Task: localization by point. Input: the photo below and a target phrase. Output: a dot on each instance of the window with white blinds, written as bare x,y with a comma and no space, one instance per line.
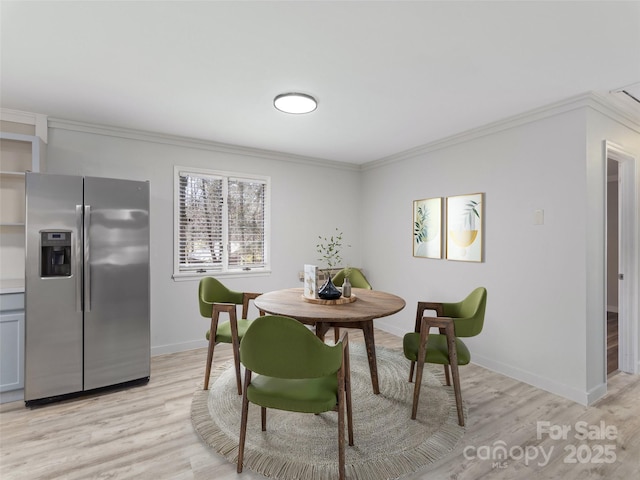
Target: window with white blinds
221,222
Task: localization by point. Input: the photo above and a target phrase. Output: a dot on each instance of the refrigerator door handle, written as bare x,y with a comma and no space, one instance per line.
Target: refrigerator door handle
87,259
78,257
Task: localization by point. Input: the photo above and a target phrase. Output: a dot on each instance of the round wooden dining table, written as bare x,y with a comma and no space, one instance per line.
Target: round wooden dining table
359,313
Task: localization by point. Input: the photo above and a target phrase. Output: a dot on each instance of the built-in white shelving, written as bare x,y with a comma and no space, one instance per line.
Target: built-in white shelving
19,153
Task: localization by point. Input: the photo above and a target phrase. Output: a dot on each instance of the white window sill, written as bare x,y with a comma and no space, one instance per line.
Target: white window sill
191,276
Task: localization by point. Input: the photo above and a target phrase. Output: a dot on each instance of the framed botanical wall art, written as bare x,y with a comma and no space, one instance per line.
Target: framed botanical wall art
465,217
427,228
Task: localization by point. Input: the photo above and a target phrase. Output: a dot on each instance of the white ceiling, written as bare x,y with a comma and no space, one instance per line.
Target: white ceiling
389,76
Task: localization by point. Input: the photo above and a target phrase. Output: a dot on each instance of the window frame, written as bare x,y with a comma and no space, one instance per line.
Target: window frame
226,271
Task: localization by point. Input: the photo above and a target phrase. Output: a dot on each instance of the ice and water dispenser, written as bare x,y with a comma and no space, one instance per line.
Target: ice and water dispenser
56,254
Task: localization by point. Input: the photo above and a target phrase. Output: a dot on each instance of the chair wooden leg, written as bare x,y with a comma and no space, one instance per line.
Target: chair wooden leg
212,344
230,309
263,418
416,390
341,396
411,370
347,389
336,334
243,420
235,342
447,377
453,361
422,352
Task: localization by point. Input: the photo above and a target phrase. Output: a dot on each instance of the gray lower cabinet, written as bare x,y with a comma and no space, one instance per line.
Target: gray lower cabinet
11,346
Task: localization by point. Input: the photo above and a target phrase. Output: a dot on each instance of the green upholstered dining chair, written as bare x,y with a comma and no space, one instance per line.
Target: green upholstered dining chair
214,298
454,320
356,277
297,372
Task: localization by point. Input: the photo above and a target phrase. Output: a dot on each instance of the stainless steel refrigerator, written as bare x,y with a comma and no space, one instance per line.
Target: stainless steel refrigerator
86,284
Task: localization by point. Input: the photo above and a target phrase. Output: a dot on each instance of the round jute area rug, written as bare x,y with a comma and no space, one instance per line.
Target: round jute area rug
387,443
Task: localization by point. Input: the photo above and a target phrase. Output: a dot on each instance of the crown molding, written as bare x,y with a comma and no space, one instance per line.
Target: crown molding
593,100
611,106
604,104
187,142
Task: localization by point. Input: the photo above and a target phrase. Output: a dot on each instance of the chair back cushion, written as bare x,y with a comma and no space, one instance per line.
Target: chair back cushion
356,277
211,291
282,347
469,313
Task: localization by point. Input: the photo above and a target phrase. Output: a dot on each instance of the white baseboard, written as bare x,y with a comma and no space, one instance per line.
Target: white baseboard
551,386
578,396
178,347
596,393
390,328
18,395
12,396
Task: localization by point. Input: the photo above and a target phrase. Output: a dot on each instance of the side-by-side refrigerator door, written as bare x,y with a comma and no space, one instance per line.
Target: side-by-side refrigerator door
53,281
116,282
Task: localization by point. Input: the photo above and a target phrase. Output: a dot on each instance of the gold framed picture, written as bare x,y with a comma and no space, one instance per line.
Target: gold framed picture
465,218
427,228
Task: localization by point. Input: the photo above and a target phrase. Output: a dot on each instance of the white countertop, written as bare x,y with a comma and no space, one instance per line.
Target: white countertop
11,285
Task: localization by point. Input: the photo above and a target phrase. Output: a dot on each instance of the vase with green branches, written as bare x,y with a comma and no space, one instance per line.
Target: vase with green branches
329,249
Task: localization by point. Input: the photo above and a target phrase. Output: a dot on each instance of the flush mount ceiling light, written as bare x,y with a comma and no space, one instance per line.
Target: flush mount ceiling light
295,103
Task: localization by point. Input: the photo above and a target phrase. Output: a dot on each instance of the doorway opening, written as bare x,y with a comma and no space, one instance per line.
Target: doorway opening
621,282
612,267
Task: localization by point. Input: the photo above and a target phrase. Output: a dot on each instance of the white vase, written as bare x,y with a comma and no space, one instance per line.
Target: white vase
346,288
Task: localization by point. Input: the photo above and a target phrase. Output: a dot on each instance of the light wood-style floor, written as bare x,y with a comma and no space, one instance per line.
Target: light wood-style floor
146,432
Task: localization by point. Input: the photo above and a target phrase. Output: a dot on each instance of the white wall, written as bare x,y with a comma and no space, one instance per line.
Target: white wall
544,322
299,191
